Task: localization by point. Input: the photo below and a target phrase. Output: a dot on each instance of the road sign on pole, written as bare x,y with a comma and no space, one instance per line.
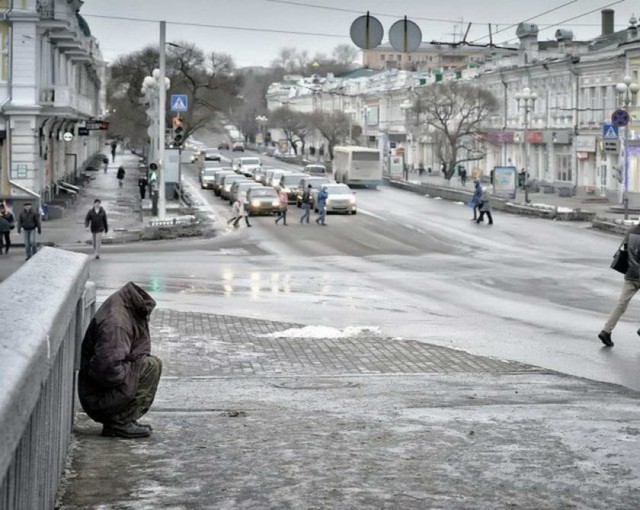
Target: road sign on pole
179,103
609,131
620,118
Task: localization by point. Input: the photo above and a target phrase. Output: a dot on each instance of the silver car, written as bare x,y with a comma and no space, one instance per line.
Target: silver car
239,187
341,199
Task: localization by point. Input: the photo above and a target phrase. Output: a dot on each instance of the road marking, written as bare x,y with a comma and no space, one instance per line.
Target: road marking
372,214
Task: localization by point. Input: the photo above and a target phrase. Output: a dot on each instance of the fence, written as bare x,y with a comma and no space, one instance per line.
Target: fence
47,306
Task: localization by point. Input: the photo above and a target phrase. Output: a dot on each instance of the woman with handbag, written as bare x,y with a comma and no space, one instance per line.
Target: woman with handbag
631,247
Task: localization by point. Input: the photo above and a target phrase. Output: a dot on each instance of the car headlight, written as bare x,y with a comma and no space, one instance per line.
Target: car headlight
352,200
255,203
275,203
227,188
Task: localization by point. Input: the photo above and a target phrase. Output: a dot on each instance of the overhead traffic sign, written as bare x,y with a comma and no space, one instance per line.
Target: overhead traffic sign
609,131
366,32
620,118
179,103
405,36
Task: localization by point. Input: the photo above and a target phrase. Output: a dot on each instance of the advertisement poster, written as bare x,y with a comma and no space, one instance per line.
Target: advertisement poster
396,165
505,179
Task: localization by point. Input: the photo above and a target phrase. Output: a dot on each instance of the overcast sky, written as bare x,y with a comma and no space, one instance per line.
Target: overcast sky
258,48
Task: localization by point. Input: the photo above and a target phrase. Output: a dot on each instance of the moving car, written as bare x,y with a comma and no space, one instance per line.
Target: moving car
316,169
341,199
219,177
211,154
207,178
227,182
224,146
262,200
239,187
238,147
246,166
289,184
315,183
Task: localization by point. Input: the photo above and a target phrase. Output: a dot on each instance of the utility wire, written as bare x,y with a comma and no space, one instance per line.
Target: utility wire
223,27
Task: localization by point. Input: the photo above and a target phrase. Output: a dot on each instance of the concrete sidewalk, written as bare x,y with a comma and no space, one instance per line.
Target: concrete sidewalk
249,418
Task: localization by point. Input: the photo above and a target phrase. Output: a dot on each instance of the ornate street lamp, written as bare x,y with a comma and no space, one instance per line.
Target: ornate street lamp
526,100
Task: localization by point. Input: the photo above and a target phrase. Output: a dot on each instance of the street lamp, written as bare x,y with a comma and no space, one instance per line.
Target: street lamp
406,107
526,101
262,122
627,91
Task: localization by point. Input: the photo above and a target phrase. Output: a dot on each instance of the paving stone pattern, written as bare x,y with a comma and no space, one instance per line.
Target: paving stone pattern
205,345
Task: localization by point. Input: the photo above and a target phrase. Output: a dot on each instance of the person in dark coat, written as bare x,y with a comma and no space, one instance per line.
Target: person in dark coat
29,221
118,375
120,175
485,208
6,226
631,245
96,220
142,185
476,199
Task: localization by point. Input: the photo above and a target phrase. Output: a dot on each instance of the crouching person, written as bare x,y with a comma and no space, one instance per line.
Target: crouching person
118,375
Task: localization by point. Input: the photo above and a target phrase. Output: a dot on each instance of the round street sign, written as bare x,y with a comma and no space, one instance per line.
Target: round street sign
620,118
367,32
405,36
67,137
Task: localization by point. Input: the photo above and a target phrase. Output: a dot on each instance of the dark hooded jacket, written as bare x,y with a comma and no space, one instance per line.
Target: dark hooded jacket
632,245
114,346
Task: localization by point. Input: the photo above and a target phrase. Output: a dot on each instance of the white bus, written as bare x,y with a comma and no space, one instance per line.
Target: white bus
357,165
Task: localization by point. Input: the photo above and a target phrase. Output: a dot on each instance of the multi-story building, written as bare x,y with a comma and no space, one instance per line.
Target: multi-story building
575,84
51,83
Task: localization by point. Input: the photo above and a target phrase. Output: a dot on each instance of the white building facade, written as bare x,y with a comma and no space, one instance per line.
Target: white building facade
51,82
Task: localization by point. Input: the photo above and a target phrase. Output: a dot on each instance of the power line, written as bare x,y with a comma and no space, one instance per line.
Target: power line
223,27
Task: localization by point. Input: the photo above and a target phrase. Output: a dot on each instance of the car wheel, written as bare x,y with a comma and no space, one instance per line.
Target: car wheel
354,212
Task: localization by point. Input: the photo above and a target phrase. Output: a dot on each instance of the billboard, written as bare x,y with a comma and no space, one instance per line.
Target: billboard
505,180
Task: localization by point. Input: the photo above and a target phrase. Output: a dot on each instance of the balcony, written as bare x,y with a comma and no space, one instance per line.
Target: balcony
62,97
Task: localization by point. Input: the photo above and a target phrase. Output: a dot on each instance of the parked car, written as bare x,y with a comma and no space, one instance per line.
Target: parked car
316,170
238,147
224,146
341,199
262,200
247,165
289,184
211,154
207,178
315,183
219,177
227,182
239,187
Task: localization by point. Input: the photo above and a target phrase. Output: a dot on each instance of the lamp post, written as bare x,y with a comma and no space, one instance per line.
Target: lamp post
526,101
627,91
406,107
262,122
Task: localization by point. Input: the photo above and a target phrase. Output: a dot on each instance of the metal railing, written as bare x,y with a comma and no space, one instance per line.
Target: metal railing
49,308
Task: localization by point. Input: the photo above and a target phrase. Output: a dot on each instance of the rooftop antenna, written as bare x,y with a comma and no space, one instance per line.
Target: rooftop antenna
464,39
490,36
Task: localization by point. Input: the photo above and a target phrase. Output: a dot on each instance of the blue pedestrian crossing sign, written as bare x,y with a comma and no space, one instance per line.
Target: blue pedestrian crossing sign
179,103
609,132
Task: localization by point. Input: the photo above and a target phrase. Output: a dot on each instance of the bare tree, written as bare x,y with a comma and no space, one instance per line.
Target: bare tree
345,54
455,113
295,125
286,59
334,127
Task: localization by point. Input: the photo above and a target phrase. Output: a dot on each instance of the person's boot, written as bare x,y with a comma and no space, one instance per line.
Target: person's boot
605,337
129,430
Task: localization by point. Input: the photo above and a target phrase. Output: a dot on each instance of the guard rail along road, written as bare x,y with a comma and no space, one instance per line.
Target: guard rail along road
47,305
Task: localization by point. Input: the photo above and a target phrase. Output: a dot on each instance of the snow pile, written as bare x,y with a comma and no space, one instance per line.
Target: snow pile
324,332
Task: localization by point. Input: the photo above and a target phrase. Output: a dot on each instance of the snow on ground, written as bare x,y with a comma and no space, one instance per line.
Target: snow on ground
324,332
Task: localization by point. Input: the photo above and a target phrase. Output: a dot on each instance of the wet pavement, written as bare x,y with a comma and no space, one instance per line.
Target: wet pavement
247,419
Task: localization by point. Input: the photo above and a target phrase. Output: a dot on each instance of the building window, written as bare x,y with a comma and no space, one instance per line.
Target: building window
409,58
563,167
382,57
399,58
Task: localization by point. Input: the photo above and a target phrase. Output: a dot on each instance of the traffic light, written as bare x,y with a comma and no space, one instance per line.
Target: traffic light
178,132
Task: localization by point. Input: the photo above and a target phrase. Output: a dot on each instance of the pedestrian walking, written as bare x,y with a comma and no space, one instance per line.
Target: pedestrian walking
242,211
118,376
284,204
476,199
323,195
462,172
120,175
485,208
96,221
105,164
306,205
631,246
142,185
29,221
6,226
114,148
421,169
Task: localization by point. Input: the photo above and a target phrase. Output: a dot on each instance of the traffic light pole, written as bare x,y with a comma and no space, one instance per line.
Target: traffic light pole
162,124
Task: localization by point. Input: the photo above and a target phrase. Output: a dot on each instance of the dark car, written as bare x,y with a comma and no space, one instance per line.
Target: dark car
314,182
224,146
207,177
289,184
262,200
